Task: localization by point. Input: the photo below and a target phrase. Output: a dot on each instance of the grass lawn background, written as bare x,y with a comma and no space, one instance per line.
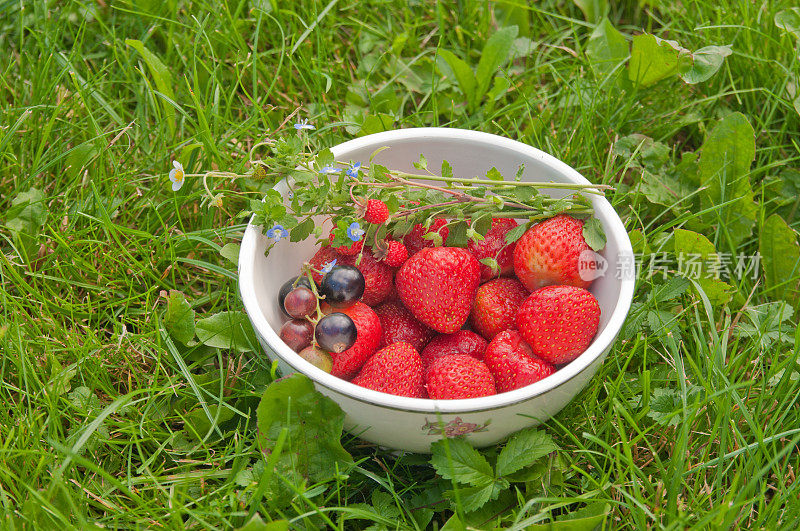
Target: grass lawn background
693,420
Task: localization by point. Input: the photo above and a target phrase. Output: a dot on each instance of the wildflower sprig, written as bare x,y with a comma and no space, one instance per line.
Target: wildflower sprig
318,187
325,188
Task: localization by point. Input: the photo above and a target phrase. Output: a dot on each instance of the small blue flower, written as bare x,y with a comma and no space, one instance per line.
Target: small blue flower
327,266
290,194
277,232
355,232
303,124
326,170
176,175
354,169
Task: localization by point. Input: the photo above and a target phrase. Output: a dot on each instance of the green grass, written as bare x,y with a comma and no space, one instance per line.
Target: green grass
692,423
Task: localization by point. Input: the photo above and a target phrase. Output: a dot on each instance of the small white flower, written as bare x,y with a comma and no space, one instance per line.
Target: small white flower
176,175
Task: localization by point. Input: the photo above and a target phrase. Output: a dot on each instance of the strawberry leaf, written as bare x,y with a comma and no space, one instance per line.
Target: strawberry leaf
447,170
464,464
494,174
482,224
523,449
458,235
516,233
594,235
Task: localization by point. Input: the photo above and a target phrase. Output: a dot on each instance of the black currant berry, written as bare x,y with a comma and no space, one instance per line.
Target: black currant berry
289,286
300,302
342,286
335,332
297,334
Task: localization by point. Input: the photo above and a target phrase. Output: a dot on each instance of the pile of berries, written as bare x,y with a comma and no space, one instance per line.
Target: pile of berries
408,318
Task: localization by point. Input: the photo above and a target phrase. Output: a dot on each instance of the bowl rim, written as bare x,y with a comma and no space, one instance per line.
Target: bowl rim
601,343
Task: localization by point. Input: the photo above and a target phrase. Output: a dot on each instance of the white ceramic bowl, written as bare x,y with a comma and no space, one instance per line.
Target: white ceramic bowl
413,423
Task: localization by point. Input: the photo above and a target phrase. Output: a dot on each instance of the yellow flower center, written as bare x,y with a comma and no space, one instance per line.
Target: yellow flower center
179,175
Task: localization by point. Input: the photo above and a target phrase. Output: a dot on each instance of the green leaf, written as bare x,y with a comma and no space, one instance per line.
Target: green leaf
422,164
447,170
509,13
314,423
228,330
494,55
462,72
703,63
256,523
467,465
664,190
724,170
392,203
231,252
494,174
161,75
780,254
523,449
586,518
673,288
594,235
324,158
483,224
79,158
179,317
789,20
492,264
691,245
653,59
376,123
644,150
198,424
477,497
454,524
500,86
302,230
607,48
516,233
593,10
27,214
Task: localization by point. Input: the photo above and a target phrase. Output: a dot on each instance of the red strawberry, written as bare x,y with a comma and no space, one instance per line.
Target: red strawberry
459,376
494,246
460,342
376,212
415,240
396,369
348,250
559,322
396,255
398,324
368,329
377,277
548,253
438,284
512,363
321,257
495,306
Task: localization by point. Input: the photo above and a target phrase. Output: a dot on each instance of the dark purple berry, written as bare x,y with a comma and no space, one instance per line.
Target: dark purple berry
342,286
289,286
335,332
297,334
